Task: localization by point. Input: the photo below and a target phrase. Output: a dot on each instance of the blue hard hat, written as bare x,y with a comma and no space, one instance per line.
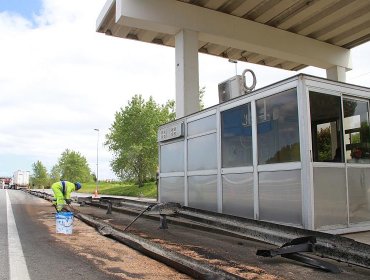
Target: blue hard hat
78,186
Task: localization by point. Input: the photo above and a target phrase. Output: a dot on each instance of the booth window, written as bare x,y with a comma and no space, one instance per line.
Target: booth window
326,127
278,128
236,133
356,130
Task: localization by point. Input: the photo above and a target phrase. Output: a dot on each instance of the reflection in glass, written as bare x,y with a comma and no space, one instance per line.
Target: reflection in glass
202,152
236,133
356,131
326,127
202,125
172,157
277,128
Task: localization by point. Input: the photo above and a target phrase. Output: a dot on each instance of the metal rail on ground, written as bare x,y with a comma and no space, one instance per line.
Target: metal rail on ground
328,245
180,262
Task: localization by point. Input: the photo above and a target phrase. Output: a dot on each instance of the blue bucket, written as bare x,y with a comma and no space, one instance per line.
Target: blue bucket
64,222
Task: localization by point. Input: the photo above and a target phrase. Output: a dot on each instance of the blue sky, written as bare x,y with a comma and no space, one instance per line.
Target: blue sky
25,8
60,79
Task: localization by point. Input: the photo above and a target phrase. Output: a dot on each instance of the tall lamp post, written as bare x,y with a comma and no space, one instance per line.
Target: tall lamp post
97,163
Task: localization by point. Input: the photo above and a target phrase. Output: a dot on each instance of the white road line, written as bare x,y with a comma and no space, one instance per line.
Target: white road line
17,262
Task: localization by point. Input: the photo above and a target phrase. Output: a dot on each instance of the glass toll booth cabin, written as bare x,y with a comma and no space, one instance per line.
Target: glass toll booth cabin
296,152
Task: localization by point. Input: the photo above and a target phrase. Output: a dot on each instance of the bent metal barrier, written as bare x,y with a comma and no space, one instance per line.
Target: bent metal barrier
327,245
178,261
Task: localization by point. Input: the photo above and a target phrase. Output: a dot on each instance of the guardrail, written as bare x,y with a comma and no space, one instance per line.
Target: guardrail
328,245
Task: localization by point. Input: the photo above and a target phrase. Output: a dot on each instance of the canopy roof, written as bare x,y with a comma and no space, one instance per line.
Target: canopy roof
287,34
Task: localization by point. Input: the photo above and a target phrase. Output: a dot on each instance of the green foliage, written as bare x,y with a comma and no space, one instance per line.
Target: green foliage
365,133
73,167
133,138
55,173
355,138
324,144
286,154
349,108
122,188
39,175
94,178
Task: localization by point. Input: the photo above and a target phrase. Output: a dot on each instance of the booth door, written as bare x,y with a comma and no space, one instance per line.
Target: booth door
357,154
329,173
341,160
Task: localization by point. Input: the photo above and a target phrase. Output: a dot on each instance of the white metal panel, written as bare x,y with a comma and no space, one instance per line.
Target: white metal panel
279,166
280,198
201,115
332,87
305,152
244,169
359,194
172,157
186,189
202,134
255,161
172,174
219,178
202,172
172,189
237,102
238,195
202,125
203,192
330,197
260,93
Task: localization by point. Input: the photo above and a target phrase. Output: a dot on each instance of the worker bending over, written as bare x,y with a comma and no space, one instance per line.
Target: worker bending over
62,193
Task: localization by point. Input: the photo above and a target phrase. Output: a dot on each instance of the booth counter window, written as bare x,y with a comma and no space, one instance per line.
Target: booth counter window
329,132
326,127
278,128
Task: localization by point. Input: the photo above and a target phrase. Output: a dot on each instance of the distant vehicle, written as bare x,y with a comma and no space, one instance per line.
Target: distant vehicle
21,179
5,182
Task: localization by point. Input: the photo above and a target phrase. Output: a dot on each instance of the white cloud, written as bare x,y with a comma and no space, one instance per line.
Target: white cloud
59,79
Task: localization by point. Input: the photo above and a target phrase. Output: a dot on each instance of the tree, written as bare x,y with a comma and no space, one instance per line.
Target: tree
40,174
324,144
94,178
133,138
55,173
73,167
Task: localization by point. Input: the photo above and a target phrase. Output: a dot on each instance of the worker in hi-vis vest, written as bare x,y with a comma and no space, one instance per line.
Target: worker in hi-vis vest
62,193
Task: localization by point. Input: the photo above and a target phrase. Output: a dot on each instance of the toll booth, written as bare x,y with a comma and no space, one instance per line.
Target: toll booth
296,152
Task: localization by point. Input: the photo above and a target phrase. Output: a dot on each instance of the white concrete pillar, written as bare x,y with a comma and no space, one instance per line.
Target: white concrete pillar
187,73
336,73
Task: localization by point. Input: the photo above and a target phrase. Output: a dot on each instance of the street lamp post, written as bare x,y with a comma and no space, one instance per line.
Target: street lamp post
97,163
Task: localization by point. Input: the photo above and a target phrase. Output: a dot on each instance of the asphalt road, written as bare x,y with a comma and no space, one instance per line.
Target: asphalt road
28,251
